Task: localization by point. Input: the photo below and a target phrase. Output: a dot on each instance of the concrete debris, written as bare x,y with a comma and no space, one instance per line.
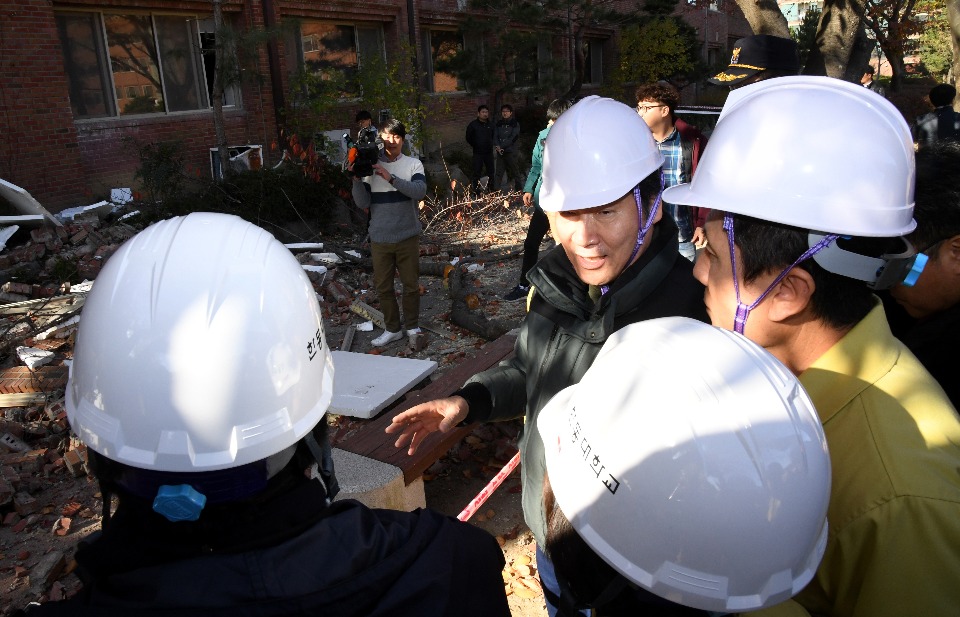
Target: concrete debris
33,358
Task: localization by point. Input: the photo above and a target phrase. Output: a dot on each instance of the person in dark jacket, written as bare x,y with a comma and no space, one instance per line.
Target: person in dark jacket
480,136
507,133
616,263
941,124
531,199
200,384
932,330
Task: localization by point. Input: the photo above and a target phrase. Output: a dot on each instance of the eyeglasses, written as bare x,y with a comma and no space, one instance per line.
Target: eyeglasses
642,109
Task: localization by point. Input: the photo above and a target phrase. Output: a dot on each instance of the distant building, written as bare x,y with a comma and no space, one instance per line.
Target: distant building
794,10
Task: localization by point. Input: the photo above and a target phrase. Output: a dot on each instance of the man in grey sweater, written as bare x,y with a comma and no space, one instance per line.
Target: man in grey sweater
392,195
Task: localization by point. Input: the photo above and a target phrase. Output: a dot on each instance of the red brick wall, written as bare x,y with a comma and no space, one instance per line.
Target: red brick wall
38,141
65,162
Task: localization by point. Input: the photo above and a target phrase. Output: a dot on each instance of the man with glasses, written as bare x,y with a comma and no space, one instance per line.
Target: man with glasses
681,145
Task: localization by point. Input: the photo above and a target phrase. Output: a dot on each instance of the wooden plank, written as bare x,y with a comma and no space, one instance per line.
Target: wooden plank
371,441
23,399
347,338
47,306
368,312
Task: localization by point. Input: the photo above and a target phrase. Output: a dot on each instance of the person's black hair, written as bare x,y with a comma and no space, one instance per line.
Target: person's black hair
507,106
937,196
482,106
363,114
942,94
663,93
557,107
869,69
586,573
649,188
394,127
766,248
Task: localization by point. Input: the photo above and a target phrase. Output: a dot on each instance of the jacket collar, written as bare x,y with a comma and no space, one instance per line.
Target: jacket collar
858,360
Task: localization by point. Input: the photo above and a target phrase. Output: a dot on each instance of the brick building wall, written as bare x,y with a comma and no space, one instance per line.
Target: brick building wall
65,161
39,144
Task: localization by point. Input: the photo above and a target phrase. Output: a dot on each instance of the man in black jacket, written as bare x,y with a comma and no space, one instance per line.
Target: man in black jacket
508,131
480,136
200,384
616,263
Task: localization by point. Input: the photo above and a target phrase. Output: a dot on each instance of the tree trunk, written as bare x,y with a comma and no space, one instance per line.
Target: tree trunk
218,78
953,15
764,17
840,50
898,68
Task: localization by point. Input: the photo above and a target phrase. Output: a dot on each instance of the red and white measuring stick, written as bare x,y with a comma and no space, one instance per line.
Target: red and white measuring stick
488,490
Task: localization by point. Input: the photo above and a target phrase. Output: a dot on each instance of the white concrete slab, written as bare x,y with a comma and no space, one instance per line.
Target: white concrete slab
24,202
364,384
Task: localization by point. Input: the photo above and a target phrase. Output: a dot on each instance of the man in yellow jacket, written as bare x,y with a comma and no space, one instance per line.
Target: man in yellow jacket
796,242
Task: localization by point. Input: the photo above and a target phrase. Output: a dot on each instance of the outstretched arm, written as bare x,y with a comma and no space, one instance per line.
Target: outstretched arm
415,424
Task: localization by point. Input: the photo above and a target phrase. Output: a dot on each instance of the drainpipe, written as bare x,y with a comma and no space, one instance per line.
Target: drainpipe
273,61
412,35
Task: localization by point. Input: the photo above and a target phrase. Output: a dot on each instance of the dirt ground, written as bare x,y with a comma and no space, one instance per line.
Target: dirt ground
36,550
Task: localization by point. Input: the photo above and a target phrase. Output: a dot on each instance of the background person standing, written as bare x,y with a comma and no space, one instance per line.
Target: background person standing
681,145
507,133
480,137
392,194
531,197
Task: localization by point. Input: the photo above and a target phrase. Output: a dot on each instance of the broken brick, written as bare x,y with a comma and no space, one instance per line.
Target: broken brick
71,509
26,504
50,567
79,237
75,460
42,234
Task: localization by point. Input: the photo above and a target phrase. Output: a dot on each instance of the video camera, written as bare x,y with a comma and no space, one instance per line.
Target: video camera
364,152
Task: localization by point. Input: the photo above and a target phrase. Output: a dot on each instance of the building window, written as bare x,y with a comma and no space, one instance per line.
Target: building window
334,52
123,64
441,46
593,61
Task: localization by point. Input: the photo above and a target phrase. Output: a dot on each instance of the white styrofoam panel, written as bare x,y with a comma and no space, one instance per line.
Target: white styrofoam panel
365,384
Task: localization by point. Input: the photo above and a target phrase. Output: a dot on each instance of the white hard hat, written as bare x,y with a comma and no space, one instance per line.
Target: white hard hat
811,152
596,152
703,478
201,347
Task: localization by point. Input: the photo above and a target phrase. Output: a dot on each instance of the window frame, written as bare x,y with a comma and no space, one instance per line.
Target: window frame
105,64
295,62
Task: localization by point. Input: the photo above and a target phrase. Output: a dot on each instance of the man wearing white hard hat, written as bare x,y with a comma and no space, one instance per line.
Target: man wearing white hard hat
808,219
679,485
200,385
617,263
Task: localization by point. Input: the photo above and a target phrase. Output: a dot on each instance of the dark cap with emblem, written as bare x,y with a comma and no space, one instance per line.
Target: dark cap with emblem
760,52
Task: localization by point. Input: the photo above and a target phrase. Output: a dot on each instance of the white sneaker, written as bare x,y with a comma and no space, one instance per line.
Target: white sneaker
386,338
414,331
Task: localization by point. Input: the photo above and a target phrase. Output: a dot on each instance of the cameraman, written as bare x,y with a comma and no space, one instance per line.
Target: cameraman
391,194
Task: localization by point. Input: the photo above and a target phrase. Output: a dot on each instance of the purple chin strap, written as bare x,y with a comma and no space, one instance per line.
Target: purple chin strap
643,227
743,311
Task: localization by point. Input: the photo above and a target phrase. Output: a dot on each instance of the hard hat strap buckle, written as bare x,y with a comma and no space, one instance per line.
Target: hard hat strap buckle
881,272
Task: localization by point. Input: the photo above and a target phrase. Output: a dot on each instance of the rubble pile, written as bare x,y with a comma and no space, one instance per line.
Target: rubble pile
48,500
